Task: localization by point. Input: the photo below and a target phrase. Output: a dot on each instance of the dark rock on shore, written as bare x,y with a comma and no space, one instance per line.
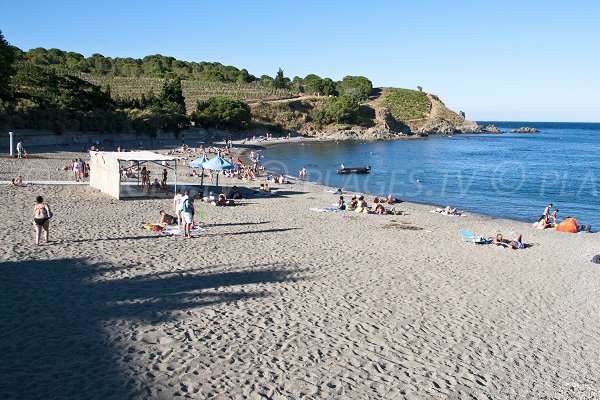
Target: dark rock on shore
525,129
489,129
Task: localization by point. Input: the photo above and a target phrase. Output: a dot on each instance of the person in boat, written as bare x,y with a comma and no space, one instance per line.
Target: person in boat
342,166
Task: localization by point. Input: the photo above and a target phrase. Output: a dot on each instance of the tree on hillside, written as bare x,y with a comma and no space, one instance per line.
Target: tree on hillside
342,109
172,92
357,86
279,82
7,57
222,112
312,84
266,81
328,87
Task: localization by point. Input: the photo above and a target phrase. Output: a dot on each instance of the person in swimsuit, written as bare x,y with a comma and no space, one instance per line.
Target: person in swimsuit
513,244
547,211
41,220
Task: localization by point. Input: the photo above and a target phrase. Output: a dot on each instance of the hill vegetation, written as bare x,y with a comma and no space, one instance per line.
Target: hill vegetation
405,104
65,91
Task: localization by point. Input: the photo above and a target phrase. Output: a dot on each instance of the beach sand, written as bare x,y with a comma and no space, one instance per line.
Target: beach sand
278,301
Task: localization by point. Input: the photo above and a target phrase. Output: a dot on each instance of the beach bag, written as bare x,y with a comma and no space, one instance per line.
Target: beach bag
48,211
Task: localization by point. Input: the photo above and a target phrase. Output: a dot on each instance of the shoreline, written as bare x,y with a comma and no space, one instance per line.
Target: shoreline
466,210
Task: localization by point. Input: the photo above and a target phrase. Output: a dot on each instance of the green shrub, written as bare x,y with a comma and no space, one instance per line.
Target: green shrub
405,104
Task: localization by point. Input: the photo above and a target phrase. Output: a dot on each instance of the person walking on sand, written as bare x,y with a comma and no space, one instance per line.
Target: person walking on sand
41,219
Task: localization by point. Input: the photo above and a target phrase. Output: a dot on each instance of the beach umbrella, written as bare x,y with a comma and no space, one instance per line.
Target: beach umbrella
198,164
217,164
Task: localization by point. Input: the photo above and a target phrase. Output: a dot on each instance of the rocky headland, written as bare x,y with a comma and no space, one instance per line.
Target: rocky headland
381,117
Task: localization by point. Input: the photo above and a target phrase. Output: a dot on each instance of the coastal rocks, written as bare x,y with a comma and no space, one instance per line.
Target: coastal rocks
389,123
489,128
525,129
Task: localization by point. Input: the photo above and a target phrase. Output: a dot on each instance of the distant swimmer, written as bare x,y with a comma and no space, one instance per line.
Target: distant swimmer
418,181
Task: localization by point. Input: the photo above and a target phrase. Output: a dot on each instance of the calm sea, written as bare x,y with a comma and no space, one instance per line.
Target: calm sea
509,175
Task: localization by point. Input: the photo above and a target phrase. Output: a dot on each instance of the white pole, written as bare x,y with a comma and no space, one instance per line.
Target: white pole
11,143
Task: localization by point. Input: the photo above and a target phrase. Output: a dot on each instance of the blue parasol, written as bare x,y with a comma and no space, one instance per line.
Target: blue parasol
217,164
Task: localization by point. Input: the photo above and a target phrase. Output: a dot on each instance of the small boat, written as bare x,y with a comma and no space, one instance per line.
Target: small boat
359,170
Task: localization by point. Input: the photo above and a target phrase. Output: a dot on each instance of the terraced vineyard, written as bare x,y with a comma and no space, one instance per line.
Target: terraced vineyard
193,90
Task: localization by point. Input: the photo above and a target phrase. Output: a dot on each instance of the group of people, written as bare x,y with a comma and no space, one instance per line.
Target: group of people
183,207
359,204
80,169
549,220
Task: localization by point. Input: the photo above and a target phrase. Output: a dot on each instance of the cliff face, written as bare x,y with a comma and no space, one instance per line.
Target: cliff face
388,114
442,120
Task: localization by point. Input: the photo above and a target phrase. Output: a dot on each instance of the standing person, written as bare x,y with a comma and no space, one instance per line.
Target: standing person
187,213
41,219
547,211
177,205
554,216
81,169
75,167
164,178
20,150
302,173
145,177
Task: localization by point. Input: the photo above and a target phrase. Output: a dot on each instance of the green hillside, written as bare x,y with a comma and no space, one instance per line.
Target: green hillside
405,104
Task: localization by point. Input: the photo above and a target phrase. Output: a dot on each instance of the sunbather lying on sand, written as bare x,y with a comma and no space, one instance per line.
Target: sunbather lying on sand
448,211
18,181
513,244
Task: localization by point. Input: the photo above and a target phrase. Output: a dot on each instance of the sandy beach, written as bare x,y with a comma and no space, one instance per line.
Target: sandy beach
276,301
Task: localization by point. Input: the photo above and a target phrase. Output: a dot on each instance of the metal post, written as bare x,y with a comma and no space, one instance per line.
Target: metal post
175,188
11,143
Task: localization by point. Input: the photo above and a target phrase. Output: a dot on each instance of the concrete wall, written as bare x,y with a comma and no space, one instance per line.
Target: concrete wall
31,138
105,175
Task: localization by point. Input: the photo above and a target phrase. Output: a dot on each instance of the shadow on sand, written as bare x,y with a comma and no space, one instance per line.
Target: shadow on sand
55,314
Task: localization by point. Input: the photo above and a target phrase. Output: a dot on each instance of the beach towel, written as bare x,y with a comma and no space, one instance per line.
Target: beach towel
327,209
469,236
176,231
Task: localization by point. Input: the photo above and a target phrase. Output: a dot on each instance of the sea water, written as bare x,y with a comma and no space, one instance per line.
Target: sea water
508,175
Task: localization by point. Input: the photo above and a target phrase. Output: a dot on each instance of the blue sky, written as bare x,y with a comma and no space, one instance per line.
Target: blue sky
509,60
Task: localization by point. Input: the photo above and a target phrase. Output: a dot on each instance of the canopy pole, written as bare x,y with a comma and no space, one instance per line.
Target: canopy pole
175,172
